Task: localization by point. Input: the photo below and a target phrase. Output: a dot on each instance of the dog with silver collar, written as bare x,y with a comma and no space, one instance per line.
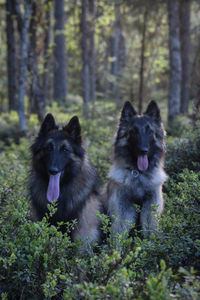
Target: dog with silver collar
137,173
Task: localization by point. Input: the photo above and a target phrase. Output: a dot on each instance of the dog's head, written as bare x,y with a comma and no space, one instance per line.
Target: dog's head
57,153
140,139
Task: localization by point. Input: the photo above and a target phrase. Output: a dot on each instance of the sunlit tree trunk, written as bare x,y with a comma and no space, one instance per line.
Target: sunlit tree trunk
175,60
60,56
11,55
185,53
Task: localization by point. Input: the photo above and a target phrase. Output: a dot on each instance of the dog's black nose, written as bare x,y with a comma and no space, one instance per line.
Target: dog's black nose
53,170
144,150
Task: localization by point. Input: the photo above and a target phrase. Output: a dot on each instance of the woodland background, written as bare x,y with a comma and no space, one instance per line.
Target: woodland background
86,58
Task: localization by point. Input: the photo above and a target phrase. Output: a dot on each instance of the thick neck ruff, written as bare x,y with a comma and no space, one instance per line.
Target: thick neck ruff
128,176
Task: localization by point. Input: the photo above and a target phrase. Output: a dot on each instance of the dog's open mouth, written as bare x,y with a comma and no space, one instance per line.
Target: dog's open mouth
53,190
142,162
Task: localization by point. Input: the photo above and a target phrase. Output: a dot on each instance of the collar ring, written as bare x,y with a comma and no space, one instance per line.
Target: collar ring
134,173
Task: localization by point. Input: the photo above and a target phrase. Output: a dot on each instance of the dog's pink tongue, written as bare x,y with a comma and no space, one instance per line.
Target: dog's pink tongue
53,190
142,162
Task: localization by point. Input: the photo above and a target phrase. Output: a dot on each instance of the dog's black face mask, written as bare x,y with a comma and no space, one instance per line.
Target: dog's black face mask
57,153
58,156
140,139
138,133
58,150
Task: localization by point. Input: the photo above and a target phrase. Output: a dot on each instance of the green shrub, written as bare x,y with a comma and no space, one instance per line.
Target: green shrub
37,261
183,152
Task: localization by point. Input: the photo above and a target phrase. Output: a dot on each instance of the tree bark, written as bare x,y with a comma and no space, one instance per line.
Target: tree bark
121,51
35,87
92,75
185,54
142,59
114,48
11,55
118,54
114,54
23,25
84,46
60,57
175,61
47,38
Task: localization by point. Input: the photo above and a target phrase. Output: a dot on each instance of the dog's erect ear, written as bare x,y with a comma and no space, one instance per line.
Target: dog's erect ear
153,111
128,112
73,129
48,125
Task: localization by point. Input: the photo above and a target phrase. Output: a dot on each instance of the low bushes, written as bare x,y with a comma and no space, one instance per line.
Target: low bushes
38,262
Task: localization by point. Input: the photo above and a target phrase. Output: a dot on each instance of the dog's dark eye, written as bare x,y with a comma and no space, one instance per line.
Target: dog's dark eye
64,149
148,129
49,147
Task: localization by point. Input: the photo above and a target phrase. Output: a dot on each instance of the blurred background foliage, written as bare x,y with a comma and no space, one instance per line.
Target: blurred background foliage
91,50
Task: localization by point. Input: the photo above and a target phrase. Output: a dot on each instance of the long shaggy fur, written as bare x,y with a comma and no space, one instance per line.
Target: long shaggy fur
137,174
55,151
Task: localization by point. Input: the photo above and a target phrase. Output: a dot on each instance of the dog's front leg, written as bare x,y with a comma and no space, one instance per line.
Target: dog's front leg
123,217
87,228
151,210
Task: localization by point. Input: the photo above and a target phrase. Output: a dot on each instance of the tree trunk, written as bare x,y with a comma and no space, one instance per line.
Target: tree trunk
45,78
185,53
114,47
175,61
35,87
23,27
60,57
121,52
11,55
142,58
92,75
84,46
114,54
118,53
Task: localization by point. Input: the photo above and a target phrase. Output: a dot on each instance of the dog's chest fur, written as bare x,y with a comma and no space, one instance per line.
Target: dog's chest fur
138,184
